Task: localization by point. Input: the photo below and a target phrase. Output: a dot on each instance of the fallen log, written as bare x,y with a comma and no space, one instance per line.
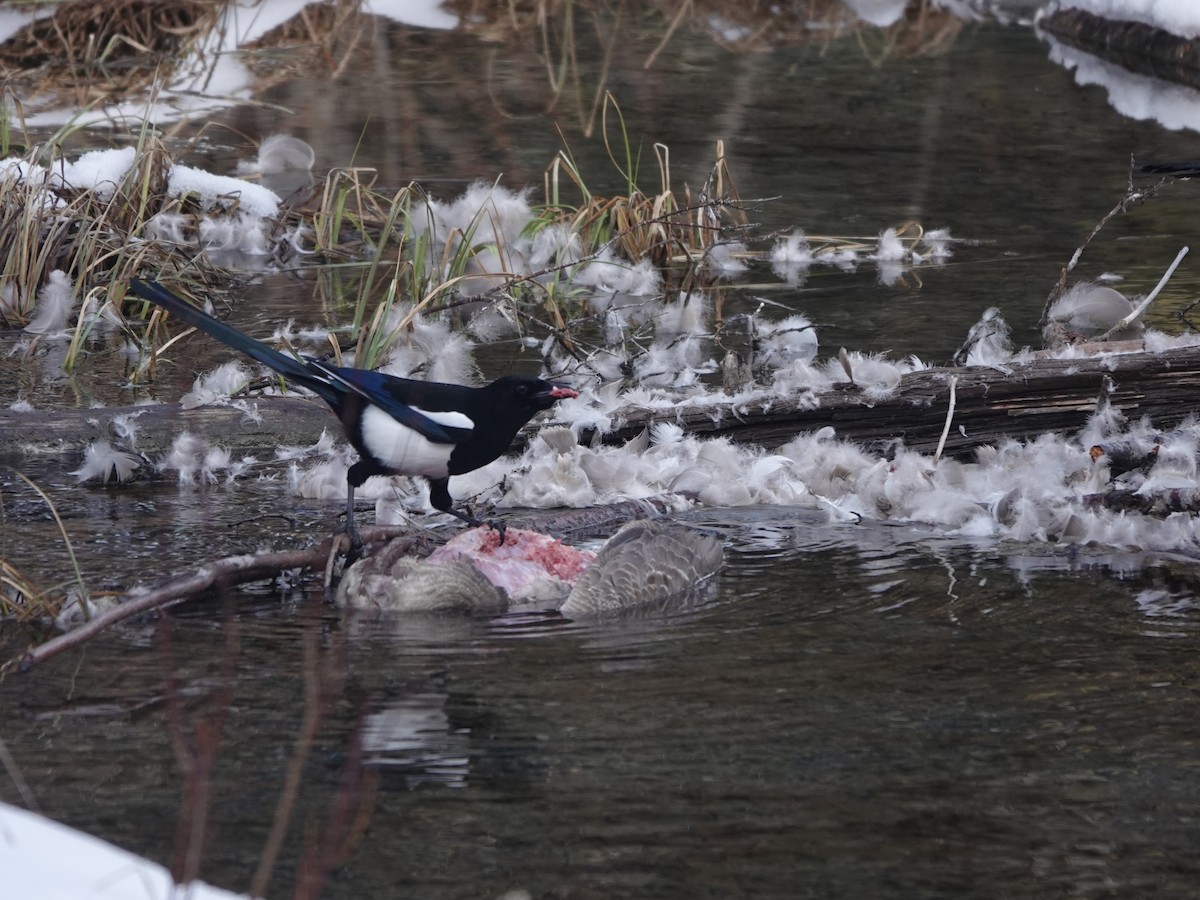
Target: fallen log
1133,46
1017,401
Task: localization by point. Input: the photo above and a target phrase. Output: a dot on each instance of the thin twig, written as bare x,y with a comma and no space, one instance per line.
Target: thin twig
937,454
229,571
1132,197
14,773
1162,282
314,709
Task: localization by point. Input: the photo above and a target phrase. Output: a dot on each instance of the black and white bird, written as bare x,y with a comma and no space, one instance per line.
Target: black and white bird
398,426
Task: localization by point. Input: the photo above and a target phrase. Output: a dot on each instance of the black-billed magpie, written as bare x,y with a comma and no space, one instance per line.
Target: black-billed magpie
398,426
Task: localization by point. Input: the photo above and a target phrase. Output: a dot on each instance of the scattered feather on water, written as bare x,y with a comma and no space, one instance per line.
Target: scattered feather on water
794,250
725,258
608,274
279,153
56,299
102,462
890,246
125,427
216,386
184,457
938,241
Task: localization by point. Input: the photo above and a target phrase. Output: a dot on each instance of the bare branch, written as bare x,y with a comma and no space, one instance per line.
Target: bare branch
1133,196
1162,282
226,572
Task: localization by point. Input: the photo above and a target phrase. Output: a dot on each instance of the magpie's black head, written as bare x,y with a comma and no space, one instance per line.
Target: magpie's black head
530,395
499,410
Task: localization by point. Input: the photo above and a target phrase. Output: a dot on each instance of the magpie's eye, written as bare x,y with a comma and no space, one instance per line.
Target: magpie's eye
522,389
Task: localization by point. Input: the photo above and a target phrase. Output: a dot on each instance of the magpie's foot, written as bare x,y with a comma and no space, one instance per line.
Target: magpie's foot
355,553
465,514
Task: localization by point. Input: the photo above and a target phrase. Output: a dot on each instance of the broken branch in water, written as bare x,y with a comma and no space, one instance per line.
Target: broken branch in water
1132,197
1142,307
226,572
937,454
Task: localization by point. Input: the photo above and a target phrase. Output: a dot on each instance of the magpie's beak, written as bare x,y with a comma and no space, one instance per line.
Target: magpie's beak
562,392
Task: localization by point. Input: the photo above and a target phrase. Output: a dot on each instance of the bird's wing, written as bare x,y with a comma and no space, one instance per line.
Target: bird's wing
384,392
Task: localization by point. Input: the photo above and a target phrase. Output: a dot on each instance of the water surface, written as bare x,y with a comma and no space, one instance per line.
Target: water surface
944,721
860,711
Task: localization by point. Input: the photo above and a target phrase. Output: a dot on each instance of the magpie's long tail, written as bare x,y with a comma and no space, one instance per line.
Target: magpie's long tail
289,367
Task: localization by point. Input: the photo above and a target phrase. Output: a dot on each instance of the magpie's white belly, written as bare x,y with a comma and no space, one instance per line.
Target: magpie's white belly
406,451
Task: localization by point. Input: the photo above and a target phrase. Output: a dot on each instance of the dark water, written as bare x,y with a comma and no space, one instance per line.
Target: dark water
856,713
860,712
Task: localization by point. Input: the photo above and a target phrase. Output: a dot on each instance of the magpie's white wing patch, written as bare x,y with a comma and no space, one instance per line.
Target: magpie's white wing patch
405,451
449,419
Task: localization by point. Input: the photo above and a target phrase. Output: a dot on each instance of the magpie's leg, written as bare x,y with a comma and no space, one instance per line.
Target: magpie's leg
351,526
439,497
354,478
465,515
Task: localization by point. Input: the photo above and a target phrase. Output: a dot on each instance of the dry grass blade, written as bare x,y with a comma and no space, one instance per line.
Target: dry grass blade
62,530
100,50
98,237
46,225
20,598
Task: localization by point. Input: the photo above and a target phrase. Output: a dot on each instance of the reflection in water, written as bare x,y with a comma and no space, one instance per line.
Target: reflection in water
1132,95
919,716
414,733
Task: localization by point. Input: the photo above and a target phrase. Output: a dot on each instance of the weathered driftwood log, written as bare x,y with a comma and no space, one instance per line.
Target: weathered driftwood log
1018,401
1133,46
